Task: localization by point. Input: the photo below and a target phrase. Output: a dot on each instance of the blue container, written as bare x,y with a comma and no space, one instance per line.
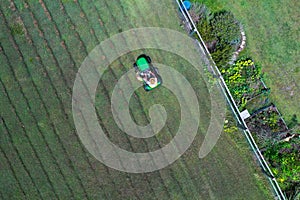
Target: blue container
187,5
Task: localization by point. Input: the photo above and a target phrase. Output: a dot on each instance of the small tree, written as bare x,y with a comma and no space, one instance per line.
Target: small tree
221,33
225,28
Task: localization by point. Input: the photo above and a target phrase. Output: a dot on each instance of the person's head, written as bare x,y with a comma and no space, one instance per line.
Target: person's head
152,81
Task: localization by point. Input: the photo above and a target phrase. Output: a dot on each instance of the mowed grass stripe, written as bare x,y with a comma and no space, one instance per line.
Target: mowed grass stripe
13,62
121,63
78,35
191,162
26,148
8,143
75,173
85,46
21,171
47,135
73,132
9,180
40,80
55,45
183,175
82,11
183,167
120,179
122,18
138,181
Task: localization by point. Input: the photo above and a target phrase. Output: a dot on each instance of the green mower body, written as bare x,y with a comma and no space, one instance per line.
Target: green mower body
147,73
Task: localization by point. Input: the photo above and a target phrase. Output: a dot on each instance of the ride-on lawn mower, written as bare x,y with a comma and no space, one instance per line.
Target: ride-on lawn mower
147,73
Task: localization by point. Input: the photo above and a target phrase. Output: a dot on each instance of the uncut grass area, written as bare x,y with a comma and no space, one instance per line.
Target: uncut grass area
273,41
42,45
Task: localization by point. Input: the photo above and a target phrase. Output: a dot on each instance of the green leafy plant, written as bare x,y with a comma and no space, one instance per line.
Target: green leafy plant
284,158
241,79
221,33
272,120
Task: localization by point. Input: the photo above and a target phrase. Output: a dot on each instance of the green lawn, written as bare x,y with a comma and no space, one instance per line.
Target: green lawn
273,40
42,157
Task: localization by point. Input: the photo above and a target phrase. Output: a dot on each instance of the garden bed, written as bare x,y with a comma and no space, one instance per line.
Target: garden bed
257,102
244,80
267,126
284,160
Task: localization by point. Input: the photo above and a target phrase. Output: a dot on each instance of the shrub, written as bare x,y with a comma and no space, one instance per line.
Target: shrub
221,33
225,28
240,78
284,158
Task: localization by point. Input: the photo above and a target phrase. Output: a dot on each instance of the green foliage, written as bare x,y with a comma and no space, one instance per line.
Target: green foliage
278,51
285,161
222,55
230,129
272,120
221,33
205,30
240,77
225,28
